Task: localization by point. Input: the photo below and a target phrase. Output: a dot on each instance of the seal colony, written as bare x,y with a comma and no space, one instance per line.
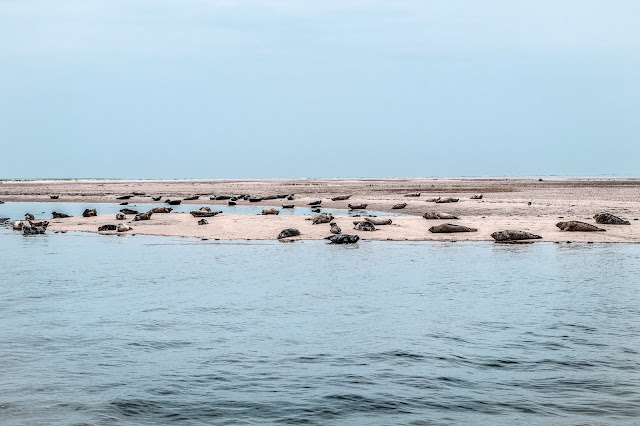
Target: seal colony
503,210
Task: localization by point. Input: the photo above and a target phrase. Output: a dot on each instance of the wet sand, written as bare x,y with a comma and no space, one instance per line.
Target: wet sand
504,206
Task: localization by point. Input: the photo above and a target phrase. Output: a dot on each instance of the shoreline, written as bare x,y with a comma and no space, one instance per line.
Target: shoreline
504,205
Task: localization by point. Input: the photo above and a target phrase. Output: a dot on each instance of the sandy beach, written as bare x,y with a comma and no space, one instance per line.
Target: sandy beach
504,205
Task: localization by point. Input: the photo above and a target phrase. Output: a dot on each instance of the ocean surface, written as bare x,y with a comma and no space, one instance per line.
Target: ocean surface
111,330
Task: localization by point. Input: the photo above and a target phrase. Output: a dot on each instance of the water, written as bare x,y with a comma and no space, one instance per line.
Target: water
148,330
16,211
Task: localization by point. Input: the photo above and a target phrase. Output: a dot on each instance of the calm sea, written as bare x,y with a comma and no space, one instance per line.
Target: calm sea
152,330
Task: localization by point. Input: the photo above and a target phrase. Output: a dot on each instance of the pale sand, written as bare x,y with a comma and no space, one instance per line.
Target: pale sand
504,206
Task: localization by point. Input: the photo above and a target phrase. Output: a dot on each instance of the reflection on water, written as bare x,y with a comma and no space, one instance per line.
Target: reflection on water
147,330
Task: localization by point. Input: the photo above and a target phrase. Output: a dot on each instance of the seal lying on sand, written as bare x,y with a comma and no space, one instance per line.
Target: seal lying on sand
29,216
341,198
322,218
378,221
120,216
143,216
129,211
18,225
357,206
161,210
158,198
511,235
448,228
335,229
123,197
413,194
192,197
123,228
315,203
90,213
447,200
343,239
288,206
576,226
399,206
255,200
288,232
270,211
200,213
438,215
54,197
476,197
609,219
33,230
232,203
107,228
364,226
57,215
173,202
203,222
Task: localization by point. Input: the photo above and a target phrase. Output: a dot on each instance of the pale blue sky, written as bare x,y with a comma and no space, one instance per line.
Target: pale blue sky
332,88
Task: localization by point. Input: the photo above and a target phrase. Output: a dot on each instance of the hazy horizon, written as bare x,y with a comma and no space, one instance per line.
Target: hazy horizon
283,89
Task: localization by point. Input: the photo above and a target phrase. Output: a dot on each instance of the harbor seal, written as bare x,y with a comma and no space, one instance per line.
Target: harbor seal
42,223
129,211
609,219
191,198
17,225
123,228
577,226
161,210
123,197
200,213
120,216
512,235
158,198
232,203
322,218
288,232
57,215
107,228
341,198
364,225
413,194
476,197
315,203
173,202
335,229
33,230
143,216
447,200
357,206
90,213
203,222
255,200
54,197
270,211
29,216
399,206
448,228
343,239
288,206
438,215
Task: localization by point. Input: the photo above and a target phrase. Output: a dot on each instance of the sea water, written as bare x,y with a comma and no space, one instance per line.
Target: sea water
151,330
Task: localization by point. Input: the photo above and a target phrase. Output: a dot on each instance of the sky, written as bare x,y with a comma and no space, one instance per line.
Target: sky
332,88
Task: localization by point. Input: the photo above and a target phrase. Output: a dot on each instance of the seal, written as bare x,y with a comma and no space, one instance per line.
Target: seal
476,197
357,206
322,218
341,198
399,206
107,228
577,226
343,239
513,235
57,215
609,219
448,228
129,211
335,229
270,211
120,216
143,216
123,228
90,213
364,225
438,215
203,222
288,232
